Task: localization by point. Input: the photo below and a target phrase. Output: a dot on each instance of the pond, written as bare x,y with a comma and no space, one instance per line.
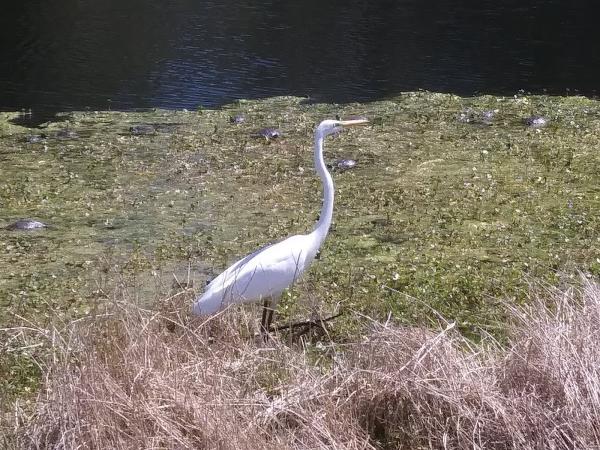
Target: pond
113,54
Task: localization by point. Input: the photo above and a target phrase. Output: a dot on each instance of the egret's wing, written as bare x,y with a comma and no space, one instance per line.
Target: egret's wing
273,259
236,265
263,273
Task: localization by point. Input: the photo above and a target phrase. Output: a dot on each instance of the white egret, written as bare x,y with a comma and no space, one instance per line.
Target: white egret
266,273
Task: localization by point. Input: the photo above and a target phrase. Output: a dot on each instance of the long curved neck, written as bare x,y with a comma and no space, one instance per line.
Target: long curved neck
322,226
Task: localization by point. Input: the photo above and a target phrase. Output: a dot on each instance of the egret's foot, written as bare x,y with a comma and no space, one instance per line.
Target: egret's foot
306,324
265,334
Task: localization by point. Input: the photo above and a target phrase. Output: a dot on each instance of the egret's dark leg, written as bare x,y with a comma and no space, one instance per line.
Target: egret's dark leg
266,319
270,315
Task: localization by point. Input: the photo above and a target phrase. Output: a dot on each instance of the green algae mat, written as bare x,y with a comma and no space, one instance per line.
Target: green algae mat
454,206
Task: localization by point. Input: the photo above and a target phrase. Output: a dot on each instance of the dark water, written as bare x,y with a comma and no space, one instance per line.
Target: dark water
122,54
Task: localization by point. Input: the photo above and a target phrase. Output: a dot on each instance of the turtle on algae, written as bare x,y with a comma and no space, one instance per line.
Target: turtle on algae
26,225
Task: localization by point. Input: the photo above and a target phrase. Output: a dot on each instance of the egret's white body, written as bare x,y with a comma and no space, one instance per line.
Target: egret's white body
266,273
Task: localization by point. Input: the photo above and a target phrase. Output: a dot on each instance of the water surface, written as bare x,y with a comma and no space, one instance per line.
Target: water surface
111,54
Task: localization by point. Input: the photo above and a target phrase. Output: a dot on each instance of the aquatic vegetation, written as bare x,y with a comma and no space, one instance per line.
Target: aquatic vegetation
439,217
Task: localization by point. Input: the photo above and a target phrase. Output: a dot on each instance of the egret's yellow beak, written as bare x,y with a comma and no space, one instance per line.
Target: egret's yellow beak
353,122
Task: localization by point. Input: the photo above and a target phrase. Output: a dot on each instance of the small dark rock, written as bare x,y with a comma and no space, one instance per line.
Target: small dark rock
268,133
488,116
67,134
237,119
165,127
466,116
142,129
474,117
26,224
35,138
345,164
536,121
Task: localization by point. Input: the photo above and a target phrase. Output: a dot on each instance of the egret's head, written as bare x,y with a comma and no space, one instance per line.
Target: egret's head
334,126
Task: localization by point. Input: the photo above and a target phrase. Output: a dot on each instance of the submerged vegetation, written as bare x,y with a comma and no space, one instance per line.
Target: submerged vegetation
440,216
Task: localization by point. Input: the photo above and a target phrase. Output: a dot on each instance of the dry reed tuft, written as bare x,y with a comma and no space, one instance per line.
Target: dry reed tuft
136,378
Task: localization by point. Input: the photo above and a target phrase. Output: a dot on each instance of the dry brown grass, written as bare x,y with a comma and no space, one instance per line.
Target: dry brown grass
137,379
